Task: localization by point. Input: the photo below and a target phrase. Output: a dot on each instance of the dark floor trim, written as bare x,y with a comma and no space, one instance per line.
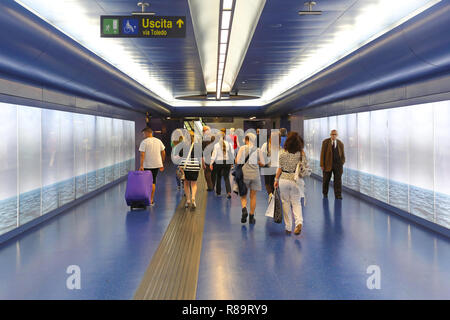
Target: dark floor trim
404,214
173,271
41,219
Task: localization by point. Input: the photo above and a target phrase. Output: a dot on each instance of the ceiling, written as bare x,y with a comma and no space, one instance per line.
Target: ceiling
286,49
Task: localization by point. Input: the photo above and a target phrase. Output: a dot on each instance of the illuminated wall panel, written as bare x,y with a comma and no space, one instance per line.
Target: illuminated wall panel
48,158
442,162
8,168
30,182
399,156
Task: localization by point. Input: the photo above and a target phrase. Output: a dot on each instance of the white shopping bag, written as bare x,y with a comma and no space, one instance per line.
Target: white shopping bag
270,208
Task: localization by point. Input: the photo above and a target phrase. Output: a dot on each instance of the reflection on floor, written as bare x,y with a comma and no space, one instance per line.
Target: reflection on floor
329,260
111,245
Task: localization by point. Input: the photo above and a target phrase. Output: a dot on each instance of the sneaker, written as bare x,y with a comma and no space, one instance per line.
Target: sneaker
252,219
244,215
298,229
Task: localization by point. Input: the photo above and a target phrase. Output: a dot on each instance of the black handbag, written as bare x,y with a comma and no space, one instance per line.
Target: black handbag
278,211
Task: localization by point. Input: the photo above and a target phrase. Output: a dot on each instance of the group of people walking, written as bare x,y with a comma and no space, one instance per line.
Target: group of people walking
278,159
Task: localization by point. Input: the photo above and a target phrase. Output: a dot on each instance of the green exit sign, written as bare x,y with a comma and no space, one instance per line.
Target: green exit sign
143,26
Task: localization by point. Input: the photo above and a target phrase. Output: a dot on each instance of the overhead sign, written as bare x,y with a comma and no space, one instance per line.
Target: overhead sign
143,26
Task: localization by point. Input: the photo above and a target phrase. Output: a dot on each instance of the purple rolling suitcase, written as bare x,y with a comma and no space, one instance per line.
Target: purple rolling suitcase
139,189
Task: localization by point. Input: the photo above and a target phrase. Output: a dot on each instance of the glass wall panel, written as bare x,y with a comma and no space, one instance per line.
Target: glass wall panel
341,127
80,141
118,134
29,143
50,159
351,152
109,157
421,161
399,158
90,154
66,154
132,145
442,162
8,167
364,157
100,147
379,154
317,145
332,124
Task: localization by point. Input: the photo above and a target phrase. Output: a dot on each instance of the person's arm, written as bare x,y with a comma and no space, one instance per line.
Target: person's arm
261,161
141,167
343,153
213,157
322,154
277,177
163,157
238,157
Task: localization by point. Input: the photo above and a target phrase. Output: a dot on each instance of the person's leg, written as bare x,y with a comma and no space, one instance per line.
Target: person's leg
285,202
187,191
214,176
226,177
267,184
209,183
244,201
326,182
193,190
154,175
244,209
296,208
218,168
337,172
252,201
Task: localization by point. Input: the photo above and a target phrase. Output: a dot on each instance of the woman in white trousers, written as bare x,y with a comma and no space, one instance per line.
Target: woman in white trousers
290,192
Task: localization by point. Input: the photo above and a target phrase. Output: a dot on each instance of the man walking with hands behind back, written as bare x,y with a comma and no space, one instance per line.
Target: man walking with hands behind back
332,159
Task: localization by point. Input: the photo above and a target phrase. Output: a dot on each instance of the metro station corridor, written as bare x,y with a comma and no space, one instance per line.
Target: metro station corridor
113,247
346,101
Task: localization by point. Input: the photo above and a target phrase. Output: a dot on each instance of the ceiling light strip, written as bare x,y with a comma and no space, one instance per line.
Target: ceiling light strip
226,13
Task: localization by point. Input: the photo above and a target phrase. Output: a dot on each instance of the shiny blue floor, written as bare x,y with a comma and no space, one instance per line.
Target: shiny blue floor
328,260
112,247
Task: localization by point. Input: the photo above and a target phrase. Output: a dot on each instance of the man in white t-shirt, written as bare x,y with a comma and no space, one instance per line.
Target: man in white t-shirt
152,156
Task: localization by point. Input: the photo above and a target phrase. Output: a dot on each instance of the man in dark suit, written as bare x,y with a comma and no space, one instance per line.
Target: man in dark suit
332,159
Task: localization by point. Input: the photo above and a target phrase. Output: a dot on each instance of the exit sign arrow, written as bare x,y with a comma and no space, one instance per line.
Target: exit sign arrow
180,23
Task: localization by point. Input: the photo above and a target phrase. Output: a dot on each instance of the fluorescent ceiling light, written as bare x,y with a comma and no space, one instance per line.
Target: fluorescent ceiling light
370,21
75,20
245,19
227,4
226,19
224,36
223,48
221,58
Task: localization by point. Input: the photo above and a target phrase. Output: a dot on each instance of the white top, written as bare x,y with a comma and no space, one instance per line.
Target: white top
152,148
273,165
218,155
